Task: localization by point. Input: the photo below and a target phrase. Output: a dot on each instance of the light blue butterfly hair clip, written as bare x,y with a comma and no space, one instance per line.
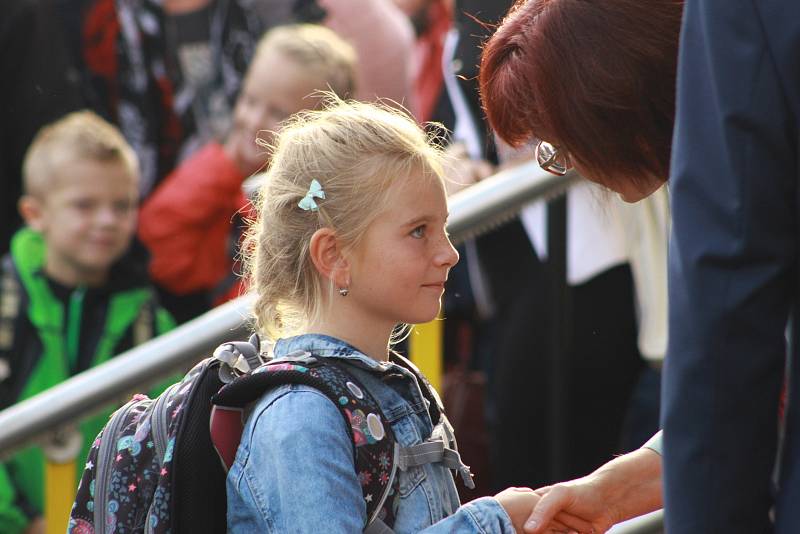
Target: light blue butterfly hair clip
314,190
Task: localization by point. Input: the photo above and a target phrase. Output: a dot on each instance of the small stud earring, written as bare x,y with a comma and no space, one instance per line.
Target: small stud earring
343,291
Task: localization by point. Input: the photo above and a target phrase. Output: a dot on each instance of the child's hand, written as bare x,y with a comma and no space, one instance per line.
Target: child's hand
518,503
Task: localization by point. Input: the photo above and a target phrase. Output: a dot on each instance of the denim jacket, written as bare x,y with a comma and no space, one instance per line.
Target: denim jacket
294,469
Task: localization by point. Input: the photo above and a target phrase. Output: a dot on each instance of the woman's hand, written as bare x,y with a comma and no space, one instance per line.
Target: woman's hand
625,487
580,497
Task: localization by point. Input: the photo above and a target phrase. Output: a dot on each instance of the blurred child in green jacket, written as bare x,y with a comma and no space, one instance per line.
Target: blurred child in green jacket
73,294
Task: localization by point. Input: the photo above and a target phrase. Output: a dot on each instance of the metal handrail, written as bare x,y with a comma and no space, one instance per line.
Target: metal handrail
45,415
499,198
472,211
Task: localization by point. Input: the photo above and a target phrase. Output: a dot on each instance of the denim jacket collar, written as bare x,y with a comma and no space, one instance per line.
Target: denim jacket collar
328,347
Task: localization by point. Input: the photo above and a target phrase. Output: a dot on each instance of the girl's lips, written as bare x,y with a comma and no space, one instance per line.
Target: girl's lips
437,285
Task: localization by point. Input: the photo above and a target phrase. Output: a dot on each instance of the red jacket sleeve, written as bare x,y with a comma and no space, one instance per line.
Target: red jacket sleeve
186,222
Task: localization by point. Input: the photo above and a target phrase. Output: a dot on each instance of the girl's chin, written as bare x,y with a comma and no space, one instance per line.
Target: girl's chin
423,318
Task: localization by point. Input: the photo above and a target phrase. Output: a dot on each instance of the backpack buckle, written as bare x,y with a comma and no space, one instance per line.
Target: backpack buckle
238,358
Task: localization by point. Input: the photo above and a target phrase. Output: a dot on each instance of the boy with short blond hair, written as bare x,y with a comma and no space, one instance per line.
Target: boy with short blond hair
71,298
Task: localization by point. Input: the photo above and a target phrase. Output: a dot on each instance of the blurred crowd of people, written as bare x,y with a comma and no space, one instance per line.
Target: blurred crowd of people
160,111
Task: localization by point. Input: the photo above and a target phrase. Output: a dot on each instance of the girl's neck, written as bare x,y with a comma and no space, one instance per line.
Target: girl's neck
368,337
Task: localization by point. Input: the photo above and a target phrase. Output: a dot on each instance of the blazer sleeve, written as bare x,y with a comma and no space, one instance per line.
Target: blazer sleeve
732,264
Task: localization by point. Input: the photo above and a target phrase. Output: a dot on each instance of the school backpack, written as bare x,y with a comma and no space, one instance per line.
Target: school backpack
159,465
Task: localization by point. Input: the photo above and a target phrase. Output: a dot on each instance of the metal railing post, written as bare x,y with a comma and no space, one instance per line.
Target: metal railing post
426,349
60,483
60,486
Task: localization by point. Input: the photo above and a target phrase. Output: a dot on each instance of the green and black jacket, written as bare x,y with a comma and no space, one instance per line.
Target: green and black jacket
49,333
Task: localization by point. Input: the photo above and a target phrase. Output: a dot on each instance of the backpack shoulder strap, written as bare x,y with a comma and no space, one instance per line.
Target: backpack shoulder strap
435,405
443,446
374,445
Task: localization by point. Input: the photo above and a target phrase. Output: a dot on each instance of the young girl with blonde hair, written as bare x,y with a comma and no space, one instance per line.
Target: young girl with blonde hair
350,243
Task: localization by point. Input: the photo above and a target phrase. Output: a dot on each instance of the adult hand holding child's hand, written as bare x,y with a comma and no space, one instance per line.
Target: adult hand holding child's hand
518,503
625,487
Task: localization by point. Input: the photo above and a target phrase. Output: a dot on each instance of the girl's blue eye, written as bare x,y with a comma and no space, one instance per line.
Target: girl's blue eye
418,232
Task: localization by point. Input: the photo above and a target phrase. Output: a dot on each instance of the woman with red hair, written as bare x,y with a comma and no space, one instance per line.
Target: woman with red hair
592,84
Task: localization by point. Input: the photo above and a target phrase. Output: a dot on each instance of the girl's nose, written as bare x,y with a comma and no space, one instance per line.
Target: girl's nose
448,255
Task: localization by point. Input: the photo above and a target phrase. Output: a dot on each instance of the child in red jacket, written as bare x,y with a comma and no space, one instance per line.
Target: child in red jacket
188,223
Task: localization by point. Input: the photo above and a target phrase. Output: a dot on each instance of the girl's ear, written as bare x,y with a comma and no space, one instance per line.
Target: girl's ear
326,254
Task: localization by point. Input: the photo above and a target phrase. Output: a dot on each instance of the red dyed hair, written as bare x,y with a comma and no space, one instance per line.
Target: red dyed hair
595,77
